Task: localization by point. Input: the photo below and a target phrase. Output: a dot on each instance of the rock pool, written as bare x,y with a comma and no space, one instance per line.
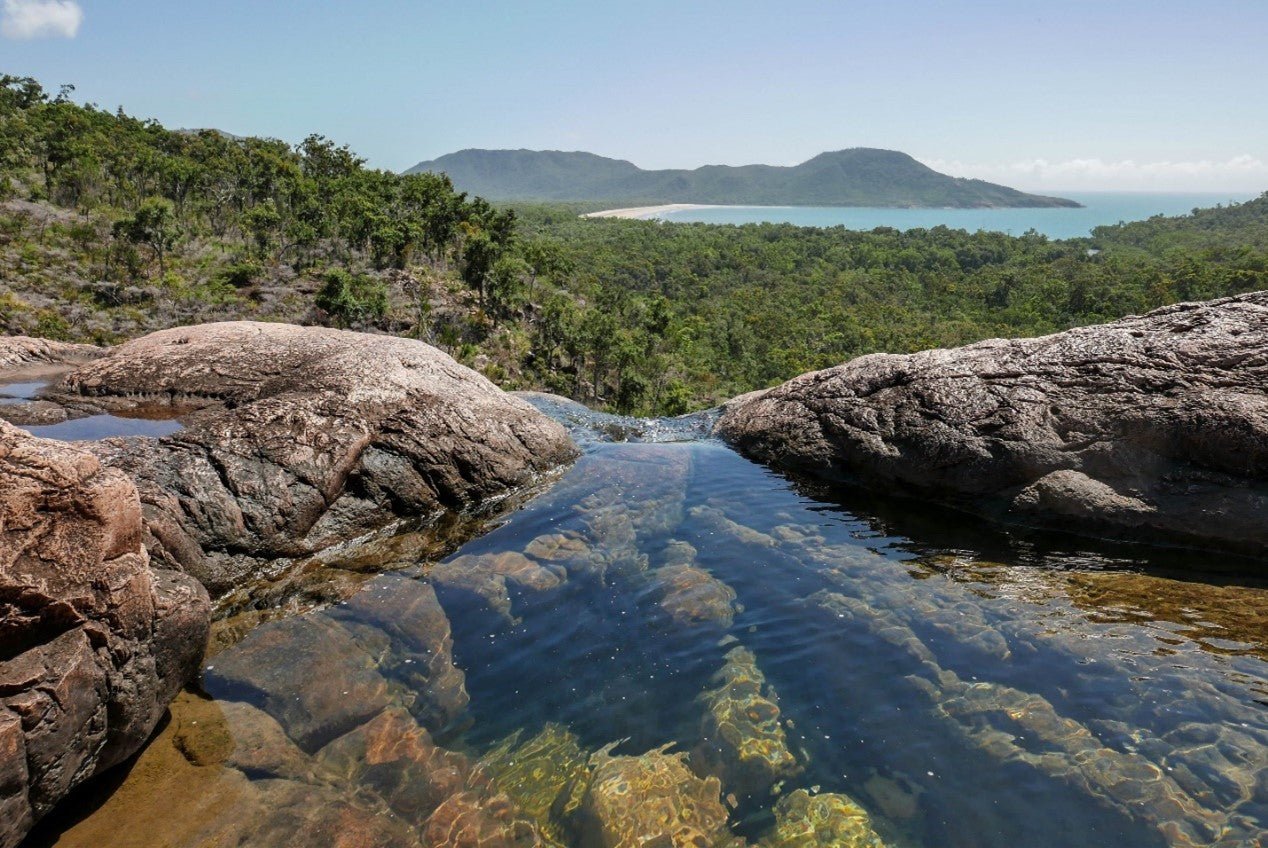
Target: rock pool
674,646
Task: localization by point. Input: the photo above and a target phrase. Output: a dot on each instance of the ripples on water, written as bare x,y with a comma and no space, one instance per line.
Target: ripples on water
966,687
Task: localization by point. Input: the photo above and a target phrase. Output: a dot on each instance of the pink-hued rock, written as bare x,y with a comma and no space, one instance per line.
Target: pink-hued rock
93,642
305,437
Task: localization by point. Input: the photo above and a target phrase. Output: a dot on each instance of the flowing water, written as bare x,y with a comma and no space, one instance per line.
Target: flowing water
931,681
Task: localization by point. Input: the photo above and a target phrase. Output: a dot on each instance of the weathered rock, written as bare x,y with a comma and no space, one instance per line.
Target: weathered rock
743,741
305,437
93,643
650,800
25,351
1152,425
803,820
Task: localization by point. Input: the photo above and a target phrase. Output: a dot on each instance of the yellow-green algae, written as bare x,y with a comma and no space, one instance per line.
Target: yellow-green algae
545,775
650,800
803,820
743,739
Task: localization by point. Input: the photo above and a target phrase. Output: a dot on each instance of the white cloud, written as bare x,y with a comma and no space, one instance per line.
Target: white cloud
25,19
1243,173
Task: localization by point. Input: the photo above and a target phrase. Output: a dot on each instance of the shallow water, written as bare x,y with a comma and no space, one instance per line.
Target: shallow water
145,421
964,686
1099,208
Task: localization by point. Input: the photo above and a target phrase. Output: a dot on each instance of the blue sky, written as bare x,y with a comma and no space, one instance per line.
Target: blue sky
1140,95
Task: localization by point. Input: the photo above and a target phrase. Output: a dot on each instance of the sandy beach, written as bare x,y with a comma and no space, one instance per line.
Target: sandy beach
644,212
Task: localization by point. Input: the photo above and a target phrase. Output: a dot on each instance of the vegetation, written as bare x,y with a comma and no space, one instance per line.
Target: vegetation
858,177
111,227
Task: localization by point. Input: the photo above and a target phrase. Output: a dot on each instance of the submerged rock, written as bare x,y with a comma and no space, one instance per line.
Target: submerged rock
691,596
1152,425
94,643
803,820
650,800
545,775
306,437
491,577
743,741
323,674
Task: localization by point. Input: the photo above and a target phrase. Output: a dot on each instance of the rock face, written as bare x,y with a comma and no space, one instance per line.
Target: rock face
305,437
93,643
1151,426
23,351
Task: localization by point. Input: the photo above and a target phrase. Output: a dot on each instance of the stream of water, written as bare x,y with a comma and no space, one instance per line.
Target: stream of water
963,685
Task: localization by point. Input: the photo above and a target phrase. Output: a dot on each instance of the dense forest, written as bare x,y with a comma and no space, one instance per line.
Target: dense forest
112,226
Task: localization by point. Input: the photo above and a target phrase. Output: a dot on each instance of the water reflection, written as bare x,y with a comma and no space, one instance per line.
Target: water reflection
673,646
50,421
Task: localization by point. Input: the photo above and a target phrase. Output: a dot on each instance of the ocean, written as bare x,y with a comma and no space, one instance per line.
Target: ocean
1098,208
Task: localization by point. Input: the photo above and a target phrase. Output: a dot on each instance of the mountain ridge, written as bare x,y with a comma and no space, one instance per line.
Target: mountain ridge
858,176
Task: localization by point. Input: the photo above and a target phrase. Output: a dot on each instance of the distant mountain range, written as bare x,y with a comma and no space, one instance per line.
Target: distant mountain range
861,176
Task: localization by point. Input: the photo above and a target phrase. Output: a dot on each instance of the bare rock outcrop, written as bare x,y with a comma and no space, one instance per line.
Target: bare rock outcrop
93,642
304,437
1151,427
28,351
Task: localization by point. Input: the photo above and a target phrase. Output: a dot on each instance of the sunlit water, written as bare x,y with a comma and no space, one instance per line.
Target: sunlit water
1099,208
966,687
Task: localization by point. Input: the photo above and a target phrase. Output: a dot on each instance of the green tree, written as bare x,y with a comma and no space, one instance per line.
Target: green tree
152,225
352,299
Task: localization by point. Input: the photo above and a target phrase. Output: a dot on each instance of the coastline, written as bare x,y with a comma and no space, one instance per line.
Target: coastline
644,213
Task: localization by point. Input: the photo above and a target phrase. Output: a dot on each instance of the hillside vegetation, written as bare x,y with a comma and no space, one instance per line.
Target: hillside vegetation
111,227
858,177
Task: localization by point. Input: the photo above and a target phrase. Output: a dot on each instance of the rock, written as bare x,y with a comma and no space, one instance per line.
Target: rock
1150,426
390,644
491,577
545,775
803,820
691,596
743,741
650,800
275,668
27,351
421,646
304,437
94,643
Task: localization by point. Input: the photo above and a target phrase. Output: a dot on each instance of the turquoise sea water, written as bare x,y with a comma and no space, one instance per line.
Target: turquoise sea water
1098,208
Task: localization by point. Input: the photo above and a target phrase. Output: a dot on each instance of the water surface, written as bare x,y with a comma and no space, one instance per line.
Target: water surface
1099,208
965,686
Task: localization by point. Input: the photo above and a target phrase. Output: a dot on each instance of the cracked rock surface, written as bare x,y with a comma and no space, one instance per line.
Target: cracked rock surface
93,642
305,437
1152,427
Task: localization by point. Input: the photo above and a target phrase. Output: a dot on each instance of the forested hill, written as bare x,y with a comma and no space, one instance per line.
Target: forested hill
860,176
112,227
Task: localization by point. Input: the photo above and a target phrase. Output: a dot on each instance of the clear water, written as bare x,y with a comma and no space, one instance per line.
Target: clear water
1099,208
96,427
966,686
153,422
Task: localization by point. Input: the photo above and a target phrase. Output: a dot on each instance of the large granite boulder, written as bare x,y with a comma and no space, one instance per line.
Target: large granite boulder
1152,426
30,352
304,437
93,642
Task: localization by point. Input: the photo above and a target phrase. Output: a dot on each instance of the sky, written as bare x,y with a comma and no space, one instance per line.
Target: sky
1078,95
